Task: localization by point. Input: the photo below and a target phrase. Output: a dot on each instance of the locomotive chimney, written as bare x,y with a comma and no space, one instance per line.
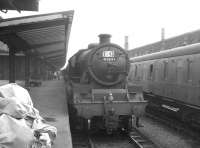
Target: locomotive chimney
104,38
126,43
162,34
163,38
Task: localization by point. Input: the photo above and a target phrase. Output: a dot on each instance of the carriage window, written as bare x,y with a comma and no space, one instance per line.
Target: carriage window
151,71
156,71
172,71
176,71
136,69
165,72
142,72
189,68
180,71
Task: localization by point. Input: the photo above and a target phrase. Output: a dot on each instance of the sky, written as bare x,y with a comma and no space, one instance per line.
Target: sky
141,20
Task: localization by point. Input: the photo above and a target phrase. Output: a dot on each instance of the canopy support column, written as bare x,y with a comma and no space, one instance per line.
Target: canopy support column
27,70
11,65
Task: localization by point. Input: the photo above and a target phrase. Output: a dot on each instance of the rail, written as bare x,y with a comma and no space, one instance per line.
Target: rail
141,141
175,124
81,140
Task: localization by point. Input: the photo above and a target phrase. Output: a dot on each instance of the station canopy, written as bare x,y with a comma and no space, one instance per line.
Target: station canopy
43,36
19,5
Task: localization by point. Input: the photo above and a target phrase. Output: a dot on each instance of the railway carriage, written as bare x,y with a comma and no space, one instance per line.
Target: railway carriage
98,94
171,82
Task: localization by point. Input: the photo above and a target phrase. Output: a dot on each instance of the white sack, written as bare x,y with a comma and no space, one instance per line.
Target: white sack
12,107
16,101
14,133
14,90
41,127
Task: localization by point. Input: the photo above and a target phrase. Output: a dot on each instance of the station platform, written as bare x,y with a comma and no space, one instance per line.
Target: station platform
19,82
51,102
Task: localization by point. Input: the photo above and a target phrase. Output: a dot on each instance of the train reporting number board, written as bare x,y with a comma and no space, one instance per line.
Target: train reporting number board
108,55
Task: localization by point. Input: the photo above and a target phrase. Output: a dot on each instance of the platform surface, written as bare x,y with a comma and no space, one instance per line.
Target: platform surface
19,82
50,100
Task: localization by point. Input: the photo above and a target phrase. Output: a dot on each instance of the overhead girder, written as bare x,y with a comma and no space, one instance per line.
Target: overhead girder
50,53
45,44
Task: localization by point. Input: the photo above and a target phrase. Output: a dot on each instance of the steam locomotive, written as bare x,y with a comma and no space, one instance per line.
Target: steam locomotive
171,82
98,94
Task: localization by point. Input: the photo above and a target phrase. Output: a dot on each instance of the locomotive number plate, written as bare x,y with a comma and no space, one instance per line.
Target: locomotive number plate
108,55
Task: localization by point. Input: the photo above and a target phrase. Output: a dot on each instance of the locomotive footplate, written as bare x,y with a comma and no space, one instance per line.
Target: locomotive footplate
109,103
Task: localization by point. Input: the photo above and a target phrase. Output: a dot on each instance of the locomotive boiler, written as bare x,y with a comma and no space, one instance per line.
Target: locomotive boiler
98,94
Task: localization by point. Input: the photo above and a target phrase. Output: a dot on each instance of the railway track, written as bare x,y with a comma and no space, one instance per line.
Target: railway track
81,140
111,141
133,140
100,141
141,141
175,124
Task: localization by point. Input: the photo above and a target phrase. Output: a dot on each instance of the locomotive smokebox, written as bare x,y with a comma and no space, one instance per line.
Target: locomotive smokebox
104,38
